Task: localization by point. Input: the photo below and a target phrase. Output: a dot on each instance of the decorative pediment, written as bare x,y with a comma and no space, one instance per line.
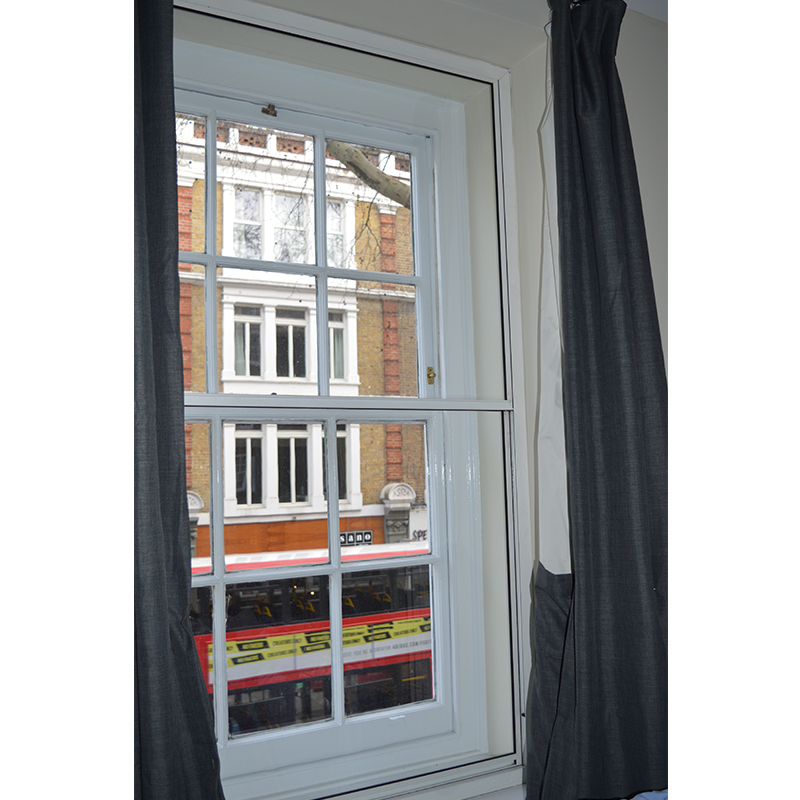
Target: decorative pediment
398,496
194,501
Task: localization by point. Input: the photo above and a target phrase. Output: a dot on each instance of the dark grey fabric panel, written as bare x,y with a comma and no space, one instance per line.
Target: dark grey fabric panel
555,662
609,734
175,749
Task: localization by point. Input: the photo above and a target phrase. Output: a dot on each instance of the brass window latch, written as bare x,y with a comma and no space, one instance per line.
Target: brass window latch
431,376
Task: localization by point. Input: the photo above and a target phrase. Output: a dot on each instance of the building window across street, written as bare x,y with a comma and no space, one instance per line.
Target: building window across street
290,343
247,332
249,464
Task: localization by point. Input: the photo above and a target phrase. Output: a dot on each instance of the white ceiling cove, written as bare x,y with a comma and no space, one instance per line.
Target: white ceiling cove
499,32
527,11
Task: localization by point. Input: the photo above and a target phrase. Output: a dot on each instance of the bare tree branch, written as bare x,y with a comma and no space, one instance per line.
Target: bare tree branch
376,179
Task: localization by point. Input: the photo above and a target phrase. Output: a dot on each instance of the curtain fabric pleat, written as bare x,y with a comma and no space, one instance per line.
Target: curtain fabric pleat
175,749
598,711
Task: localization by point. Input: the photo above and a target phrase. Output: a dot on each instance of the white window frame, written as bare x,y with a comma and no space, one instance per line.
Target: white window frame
507,775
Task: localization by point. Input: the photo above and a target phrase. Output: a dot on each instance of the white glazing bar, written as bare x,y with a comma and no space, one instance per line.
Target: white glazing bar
425,255
516,579
335,588
288,404
217,521
334,546
337,645
212,367
287,268
321,239
507,228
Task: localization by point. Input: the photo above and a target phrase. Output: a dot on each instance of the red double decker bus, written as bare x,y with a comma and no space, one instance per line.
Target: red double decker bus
278,639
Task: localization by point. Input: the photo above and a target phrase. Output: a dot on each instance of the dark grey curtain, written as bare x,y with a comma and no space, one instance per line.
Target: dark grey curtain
597,717
175,750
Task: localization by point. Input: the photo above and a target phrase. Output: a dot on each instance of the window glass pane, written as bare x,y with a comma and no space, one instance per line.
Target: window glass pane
337,351
200,616
190,135
301,470
279,654
255,348
284,471
247,240
256,471
266,193
275,507
387,638
266,322
341,465
290,313
240,344
248,205
298,351
384,330
192,316
388,485
342,436
335,233
198,491
373,187
282,351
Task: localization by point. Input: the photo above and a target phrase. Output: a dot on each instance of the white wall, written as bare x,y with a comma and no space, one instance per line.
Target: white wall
642,64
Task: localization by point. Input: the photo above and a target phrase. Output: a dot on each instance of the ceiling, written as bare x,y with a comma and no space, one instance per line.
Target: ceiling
500,32
526,11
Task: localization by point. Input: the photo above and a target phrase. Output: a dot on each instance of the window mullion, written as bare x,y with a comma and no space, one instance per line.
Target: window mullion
424,249
217,521
292,473
212,367
335,554
249,469
321,252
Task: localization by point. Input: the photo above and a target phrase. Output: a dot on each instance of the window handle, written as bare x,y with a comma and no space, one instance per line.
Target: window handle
431,376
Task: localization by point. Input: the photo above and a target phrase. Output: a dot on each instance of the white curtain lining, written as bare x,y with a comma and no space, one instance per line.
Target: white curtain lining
554,549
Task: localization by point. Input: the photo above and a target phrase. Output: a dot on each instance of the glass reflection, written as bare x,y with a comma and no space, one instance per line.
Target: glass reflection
387,638
266,197
275,498
200,616
190,137
369,208
384,510
373,338
198,493
279,654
